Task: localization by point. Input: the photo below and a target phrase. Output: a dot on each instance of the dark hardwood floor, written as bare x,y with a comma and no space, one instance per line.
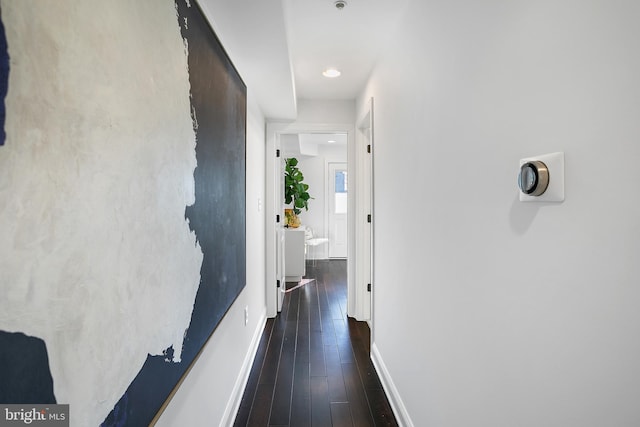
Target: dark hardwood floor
312,367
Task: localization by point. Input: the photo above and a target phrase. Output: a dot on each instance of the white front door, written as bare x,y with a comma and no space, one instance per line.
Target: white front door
337,210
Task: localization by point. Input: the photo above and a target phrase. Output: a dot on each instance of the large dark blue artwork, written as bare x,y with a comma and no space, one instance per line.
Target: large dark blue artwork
218,98
24,368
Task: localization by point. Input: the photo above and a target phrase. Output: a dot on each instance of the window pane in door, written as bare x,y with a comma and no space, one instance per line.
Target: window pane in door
340,192
341,181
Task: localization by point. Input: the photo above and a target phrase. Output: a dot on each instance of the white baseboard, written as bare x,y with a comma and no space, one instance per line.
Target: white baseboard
241,382
397,406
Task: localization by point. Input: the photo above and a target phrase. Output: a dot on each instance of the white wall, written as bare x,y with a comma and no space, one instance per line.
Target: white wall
326,111
491,312
210,393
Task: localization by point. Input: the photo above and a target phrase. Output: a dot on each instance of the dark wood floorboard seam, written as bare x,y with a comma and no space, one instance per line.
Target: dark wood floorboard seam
313,365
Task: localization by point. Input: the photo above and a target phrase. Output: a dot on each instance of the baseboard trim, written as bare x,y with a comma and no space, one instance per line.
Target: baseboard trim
243,376
397,406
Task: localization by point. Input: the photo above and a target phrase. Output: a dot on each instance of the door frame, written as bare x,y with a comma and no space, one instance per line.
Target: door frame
364,274
274,227
275,207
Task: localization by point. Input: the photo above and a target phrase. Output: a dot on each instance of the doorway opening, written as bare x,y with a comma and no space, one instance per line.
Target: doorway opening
316,147
325,222
358,183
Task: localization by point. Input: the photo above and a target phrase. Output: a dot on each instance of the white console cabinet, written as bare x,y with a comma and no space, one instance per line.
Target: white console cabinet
294,257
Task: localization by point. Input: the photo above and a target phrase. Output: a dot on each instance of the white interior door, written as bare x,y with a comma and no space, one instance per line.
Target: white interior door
337,217
364,290
280,236
367,253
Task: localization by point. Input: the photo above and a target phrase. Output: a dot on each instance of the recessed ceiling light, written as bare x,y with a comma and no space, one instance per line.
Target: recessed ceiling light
331,73
331,141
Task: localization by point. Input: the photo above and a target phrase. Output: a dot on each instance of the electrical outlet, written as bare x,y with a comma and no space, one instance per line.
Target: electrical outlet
246,315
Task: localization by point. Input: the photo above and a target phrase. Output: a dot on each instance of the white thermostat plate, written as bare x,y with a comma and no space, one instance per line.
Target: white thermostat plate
555,190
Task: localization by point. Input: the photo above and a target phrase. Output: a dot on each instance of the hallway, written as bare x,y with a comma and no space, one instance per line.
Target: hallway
312,367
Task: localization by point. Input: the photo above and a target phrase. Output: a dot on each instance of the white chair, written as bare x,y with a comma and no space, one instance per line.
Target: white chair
311,241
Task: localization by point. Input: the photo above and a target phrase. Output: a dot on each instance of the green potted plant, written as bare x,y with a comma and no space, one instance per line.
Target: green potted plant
295,192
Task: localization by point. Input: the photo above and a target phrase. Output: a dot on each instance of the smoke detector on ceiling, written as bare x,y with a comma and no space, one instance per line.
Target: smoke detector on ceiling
340,4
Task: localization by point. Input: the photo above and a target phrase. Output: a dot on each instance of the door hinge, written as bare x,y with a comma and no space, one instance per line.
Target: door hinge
368,287
369,218
278,219
277,153
369,148
278,283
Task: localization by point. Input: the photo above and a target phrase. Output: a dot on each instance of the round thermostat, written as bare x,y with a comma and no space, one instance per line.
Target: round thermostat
533,178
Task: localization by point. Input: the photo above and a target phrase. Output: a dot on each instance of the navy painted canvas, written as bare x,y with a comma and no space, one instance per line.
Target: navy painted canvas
218,98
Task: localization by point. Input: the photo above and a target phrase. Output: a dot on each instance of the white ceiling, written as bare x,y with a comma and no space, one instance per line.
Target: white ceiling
337,139
281,47
309,144
255,38
321,36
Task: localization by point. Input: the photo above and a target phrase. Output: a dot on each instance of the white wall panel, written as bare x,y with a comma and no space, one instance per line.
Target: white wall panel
489,311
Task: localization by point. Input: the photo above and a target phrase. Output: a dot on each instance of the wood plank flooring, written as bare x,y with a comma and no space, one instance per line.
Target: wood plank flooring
312,367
